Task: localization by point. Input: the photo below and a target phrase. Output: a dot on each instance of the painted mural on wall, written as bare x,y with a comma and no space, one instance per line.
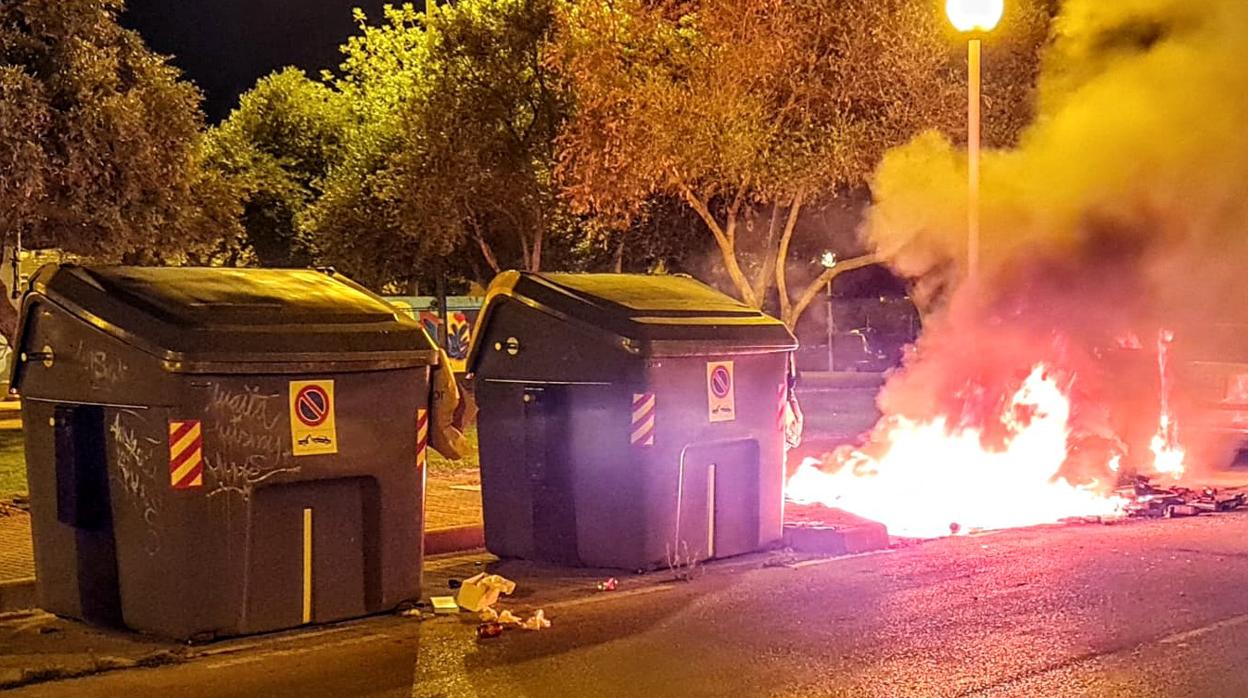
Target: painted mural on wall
461,314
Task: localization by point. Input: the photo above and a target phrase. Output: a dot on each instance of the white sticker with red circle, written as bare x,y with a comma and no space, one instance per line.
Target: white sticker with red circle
312,430
721,395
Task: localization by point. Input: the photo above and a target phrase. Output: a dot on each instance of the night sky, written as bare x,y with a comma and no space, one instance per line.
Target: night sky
225,45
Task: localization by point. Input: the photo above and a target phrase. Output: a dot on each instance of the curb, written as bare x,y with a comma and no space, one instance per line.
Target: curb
439,541
18,595
839,540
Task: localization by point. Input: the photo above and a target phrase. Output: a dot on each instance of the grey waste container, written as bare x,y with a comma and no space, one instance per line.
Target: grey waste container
626,420
221,451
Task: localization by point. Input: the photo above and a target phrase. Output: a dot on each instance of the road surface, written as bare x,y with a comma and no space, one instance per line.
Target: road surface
1151,608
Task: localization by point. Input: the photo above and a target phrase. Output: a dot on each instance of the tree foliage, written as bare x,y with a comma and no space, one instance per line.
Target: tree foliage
276,148
747,110
477,154
100,141
449,150
356,222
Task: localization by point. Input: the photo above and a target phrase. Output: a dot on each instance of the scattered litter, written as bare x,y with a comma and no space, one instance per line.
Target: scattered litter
489,615
507,619
609,584
537,622
443,605
488,630
482,590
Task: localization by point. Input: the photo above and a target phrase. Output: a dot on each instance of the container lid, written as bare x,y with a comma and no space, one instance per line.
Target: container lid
652,315
207,319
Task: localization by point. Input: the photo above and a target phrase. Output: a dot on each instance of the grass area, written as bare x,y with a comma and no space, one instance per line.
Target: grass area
12,463
472,459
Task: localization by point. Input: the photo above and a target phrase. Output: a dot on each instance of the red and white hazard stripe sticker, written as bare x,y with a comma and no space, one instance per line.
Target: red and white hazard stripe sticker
643,419
422,436
186,454
782,403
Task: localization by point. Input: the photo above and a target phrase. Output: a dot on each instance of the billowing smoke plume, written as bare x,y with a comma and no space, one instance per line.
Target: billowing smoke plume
1124,210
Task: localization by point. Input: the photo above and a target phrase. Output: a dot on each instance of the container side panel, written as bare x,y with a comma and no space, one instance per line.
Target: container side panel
507,494
608,471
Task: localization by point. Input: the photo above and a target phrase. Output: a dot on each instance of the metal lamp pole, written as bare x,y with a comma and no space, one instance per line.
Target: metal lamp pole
831,331
973,106
828,260
976,17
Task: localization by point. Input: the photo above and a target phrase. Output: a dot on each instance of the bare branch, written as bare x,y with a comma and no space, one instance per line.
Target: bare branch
812,291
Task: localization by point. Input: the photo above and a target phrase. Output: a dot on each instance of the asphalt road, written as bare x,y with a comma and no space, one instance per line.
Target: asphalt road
1140,609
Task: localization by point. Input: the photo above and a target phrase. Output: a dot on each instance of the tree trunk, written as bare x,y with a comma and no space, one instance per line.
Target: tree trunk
536,265
782,254
487,252
726,240
8,316
618,261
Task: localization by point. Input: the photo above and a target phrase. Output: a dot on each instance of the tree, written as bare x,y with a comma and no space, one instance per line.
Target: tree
99,141
355,222
99,138
749,111
455,116
479,137
276,148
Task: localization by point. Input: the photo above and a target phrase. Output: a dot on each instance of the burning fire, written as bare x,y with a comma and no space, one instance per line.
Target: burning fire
1168,454
929,479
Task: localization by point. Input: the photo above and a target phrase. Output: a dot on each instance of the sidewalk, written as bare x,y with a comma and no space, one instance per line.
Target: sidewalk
17,558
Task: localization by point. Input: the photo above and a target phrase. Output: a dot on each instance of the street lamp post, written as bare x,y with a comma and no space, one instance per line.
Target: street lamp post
828,260
974,18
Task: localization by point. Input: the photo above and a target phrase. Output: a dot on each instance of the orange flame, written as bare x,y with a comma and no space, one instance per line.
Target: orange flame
1168,455
934,479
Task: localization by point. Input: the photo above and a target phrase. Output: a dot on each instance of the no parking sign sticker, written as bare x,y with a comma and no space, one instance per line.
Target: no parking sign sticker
721,391
312,430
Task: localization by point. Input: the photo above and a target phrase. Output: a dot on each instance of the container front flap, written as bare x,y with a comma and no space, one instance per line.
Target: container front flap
194,315
660,315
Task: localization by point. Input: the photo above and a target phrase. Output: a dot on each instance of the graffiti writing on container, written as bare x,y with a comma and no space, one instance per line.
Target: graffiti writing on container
100,366
246,422
248,405
231,477
134,474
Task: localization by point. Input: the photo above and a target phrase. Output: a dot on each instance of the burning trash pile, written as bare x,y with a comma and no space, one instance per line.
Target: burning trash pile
1048,381
929,479
1146,500
933,478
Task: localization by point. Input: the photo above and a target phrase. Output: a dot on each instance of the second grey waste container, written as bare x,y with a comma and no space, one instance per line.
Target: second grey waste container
221,451
626,420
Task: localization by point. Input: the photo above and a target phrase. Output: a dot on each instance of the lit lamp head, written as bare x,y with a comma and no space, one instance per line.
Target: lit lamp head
828,259
975,15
